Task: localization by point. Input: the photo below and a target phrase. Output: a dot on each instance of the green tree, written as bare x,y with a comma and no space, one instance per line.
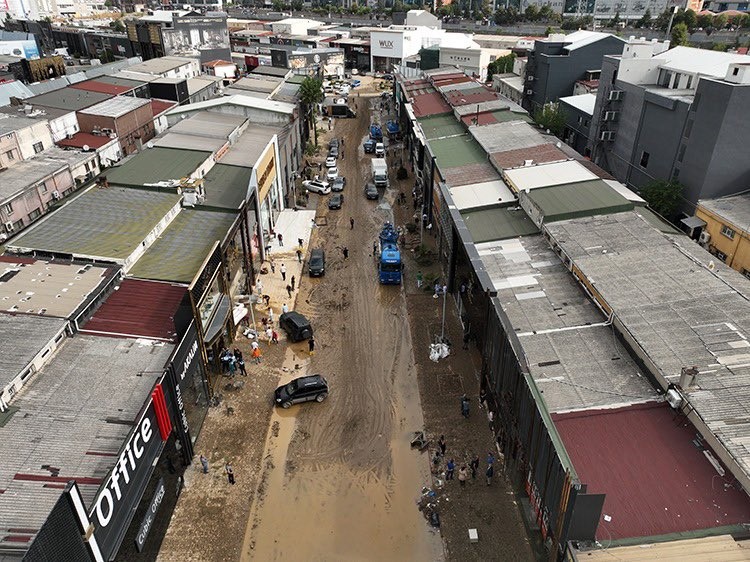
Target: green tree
531,13
310,95
720,21
690,18
663,196
546,13
720,47
705,21
501,65
662,21
117,26
679,35
551,117
645,20
615,21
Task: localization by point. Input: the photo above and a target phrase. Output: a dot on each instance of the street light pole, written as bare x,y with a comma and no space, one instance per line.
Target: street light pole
442,326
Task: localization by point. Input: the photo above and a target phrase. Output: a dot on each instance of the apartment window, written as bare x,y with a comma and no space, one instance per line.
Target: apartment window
34,214
18,225
721,255
688,128
10,156
38,147
644,159
689,82
735,71
728,232
681,153
8,208
746,272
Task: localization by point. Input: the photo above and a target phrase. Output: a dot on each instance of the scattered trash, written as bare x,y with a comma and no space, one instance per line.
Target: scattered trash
473,535
439,351
608,518
419,441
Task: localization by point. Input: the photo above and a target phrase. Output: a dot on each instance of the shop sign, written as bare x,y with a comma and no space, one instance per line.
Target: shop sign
385,44
267,172
150,517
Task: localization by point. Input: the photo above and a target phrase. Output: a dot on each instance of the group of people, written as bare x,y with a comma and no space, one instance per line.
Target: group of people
232,361
465,469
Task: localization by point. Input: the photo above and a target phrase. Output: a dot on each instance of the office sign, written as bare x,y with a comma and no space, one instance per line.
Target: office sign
150,517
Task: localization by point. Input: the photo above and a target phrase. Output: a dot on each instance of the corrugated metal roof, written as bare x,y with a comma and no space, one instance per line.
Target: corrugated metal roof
438,126
103,87
581,199
538,154
79,140
139,309
157,164
227,186
543,175
429,104
498,223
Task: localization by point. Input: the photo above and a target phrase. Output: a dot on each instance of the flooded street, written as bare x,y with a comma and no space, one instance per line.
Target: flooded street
339,479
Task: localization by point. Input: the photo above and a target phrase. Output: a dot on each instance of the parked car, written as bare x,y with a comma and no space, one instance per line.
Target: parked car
338,184
336,200
369,146
388,77
316,266
371,192
333,142
331,162
296,326
356,83
302,389
317,186
333,152
379,150
332,174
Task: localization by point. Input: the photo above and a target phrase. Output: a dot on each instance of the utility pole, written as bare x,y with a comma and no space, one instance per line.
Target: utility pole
671,21
442,324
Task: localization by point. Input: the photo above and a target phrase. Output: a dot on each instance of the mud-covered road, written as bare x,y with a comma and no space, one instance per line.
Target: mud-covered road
339,479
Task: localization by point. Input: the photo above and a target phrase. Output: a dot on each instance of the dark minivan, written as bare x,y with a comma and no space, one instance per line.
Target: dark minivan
302,389
317,264
296,326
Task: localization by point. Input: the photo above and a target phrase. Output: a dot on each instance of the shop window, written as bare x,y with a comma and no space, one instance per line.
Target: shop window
8,208
721,255
208,306
644,159
38,147
9,155
728,232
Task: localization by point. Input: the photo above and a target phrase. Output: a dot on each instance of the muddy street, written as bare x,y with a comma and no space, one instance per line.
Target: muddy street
340,480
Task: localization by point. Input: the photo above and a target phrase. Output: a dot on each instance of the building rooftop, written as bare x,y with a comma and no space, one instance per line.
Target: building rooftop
266,85
18,178
457,150
698,61
181,249
656,480
538,154
498,223
24,336
240,100
160,106
199,83
116,107
271,71
683,309
119,81
584,102
209,124
160,65
722,547
510,135
138,309
246,151
493,117
734,210
471,96
189,142
13,89
68,99
102,223
72,419
10,123
580,199
103,87
47,288
153,165
79,140
439,126
543,175
226,186
478,195
429,104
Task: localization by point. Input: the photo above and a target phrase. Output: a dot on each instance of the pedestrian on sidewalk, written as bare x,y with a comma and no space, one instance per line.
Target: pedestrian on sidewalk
230,473
474,465
269,334
351,222
257,355
482,398
300,241
232,362
463,474
274,336
375,248
441,444
270,316
299,255
289,290
490,458
292,282
342,142
420,278
241,364
283,272
280,239
259,287
273,266
465,406
267,300
254,345
345,251
284,307
311,345
204,464
489,474
449,469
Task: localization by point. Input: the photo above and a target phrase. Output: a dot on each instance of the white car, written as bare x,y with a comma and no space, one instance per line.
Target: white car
379,150
332,174
331,162
317,186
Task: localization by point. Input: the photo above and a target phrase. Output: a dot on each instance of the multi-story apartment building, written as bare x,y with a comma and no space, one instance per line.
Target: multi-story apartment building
677,114
559,61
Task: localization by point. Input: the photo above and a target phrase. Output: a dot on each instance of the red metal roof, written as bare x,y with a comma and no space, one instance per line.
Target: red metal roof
462,97
217,62
450,80
79,140
101,87
484,118
539,154
160,106
139,309
16,259
655,479
429,104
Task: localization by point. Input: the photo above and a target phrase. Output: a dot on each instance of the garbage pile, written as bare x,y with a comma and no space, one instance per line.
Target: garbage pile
429,504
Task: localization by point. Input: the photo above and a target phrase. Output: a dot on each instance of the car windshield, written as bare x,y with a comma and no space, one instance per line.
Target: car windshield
291,387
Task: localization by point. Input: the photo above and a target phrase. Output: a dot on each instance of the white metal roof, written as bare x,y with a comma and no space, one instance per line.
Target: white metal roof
116,106
583,102
699,61
483,194
625,192
244,101
543,175
581,38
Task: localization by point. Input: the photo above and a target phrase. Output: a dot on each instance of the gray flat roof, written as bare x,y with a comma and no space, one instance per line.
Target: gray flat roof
69,99
570,353
226,186
189,142
159,65
24,336
246,151
181,249
18,178
10,123
117,106
682,306
155,165
106,223
209,124
267,85
119,81
74,416
734,210
498,223
509,135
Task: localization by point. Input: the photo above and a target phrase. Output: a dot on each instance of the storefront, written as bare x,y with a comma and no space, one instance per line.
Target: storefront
269,195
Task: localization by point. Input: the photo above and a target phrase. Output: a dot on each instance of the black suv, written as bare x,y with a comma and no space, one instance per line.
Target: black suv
317,264
303,389
296,326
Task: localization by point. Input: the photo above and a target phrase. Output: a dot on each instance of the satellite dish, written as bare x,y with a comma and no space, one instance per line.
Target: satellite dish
149,144
86,148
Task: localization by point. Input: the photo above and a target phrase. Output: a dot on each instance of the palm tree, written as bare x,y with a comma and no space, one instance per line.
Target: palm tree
311,94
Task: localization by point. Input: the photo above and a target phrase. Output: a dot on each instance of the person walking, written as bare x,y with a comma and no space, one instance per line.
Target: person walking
267,300
351,223
490,458
270,316
285,307
490,472
259,287
274,336
441,444
345,251
289,290
474,466
463,474
256,355
283,272
293,282
241,365
269,334
230,473
232,361
204,464
311,345
420,278
465,406
299,255
254,345
280,238
300,242
375,248
449,469
273,266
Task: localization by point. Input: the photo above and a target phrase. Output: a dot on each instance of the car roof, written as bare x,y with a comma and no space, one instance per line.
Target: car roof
309,379
317,251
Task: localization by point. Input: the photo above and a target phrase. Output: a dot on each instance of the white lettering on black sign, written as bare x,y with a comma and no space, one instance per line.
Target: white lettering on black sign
150,517
188,360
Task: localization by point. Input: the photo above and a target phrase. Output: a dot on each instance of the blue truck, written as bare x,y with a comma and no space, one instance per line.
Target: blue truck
390,266
376,132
